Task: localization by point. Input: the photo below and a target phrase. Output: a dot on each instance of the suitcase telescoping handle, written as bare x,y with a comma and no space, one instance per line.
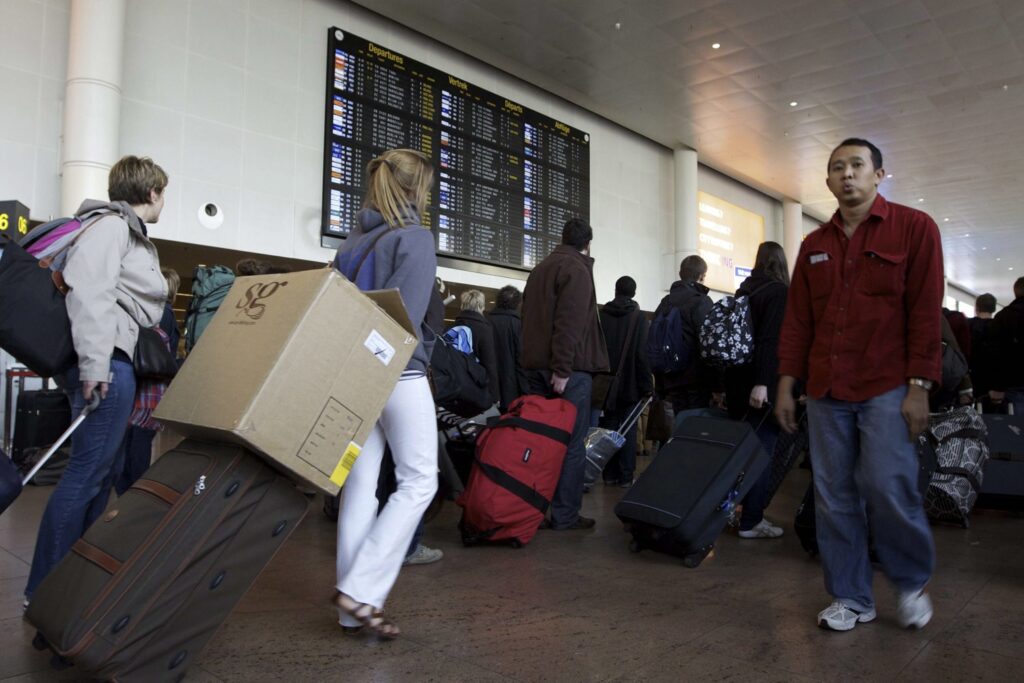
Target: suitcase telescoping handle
91,406
635,414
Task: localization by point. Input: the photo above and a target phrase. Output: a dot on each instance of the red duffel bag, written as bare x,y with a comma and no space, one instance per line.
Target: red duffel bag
515,471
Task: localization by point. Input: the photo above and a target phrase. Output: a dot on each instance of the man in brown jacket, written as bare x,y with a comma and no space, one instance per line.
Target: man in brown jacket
562,346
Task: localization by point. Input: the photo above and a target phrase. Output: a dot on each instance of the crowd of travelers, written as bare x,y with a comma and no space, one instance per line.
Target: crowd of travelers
852,335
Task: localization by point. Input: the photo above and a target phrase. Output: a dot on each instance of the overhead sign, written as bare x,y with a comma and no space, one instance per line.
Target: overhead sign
727,238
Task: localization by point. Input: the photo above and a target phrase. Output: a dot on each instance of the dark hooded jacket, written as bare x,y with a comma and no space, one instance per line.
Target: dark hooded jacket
483,346
693,302
508,345
634,375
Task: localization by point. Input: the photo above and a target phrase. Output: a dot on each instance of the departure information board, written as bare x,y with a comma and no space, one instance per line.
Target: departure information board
507,178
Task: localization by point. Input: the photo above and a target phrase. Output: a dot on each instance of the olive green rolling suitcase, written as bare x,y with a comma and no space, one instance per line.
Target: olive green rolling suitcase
140,595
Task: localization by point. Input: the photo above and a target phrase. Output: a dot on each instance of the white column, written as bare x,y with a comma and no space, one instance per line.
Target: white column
792,230
685,191
92,100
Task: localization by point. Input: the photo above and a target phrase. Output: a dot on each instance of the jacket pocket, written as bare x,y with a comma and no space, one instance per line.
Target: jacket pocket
882,273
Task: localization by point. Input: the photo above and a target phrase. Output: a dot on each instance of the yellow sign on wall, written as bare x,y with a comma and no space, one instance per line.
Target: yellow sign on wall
727,238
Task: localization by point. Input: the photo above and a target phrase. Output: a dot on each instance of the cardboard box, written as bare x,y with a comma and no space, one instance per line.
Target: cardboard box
297,367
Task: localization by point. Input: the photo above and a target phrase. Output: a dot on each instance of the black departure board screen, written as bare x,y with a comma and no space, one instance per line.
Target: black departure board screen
507,178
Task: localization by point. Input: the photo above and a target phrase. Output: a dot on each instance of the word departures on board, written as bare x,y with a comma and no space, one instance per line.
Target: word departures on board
727,238
506,178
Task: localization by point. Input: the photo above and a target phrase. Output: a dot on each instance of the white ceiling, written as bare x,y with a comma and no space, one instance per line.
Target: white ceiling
937,84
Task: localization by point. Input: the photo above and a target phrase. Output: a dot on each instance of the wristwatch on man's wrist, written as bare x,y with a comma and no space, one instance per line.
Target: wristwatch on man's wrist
925,384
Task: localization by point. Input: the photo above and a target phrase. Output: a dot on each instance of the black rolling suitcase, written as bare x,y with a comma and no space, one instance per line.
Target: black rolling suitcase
682,501
144,590
40,418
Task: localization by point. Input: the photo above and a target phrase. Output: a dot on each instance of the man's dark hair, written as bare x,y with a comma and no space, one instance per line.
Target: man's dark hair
1018,287
508,298
876,154
692,268
625,286
986,303
577,233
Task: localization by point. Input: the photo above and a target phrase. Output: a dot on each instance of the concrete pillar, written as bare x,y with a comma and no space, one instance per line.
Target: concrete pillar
792,230
685,191
92,100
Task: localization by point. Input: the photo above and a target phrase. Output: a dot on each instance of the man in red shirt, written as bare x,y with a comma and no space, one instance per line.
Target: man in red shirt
862,328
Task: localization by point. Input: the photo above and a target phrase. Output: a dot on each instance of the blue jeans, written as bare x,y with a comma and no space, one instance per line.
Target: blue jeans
756,499
96,458
138,452
568,498
865,472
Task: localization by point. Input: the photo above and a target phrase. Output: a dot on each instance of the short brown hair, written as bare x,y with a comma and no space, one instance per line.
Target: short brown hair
132,178
692,268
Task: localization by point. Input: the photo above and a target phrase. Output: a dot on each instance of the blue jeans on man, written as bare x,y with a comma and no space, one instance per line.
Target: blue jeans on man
97,457
866,472
568,498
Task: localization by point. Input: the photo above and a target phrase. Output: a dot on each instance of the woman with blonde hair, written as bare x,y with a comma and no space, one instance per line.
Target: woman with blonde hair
388,247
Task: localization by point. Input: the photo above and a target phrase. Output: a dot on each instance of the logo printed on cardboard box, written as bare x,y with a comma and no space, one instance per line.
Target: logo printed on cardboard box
251,303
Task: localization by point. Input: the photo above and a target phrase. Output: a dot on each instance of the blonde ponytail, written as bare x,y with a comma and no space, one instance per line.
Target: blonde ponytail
399,182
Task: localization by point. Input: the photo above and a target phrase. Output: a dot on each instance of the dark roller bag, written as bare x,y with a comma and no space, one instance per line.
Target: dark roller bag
1003,484
682,501
140,595
39,419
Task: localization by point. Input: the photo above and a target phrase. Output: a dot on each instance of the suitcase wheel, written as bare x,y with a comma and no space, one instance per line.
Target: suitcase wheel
39,642
515,543
693,560
634,546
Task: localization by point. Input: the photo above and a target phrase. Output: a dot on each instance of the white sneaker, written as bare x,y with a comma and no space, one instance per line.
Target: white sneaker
763,529
839,617
424,555
915,609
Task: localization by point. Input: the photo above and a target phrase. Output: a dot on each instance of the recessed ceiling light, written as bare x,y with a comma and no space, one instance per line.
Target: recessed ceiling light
945,220
998,259
618,25
920,199
984,248
793,103
715,46
889,175
967,235
1005,86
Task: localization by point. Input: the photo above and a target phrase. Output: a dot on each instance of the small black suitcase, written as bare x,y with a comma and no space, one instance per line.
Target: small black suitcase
682,501
40,418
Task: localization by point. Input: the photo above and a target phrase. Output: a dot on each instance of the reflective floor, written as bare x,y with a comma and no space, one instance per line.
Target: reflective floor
577,606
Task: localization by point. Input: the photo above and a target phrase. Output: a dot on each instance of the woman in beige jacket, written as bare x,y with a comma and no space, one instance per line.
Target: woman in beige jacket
115,283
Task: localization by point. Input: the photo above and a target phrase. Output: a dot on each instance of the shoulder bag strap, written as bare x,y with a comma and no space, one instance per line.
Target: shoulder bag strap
366,254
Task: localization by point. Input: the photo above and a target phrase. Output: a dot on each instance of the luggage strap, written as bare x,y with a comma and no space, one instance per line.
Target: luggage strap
961,472
513,485
559,435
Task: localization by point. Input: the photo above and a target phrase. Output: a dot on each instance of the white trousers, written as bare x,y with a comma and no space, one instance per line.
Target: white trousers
371,547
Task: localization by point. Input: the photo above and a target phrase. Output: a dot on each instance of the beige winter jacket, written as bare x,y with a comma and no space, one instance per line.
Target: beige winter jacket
112,267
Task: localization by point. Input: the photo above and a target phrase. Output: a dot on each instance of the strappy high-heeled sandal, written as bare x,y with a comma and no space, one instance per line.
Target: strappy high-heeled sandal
369,617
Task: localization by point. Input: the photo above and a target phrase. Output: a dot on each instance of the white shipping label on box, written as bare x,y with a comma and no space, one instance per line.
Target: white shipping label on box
379,347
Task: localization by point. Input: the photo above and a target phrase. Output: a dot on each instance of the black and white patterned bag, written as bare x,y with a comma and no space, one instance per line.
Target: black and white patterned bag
961,451
727,333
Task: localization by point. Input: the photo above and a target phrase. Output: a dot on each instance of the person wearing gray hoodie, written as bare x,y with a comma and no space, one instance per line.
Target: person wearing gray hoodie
389,248
115,285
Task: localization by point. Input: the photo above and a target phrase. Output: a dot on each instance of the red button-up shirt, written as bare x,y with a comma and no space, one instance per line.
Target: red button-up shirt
863,313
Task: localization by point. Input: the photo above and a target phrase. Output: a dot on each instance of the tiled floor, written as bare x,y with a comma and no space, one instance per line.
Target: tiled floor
577,606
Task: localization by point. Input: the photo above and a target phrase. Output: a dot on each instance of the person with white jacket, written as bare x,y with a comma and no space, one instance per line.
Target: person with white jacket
113,274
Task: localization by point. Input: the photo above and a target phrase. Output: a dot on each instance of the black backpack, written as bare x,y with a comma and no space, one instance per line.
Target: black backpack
458,380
